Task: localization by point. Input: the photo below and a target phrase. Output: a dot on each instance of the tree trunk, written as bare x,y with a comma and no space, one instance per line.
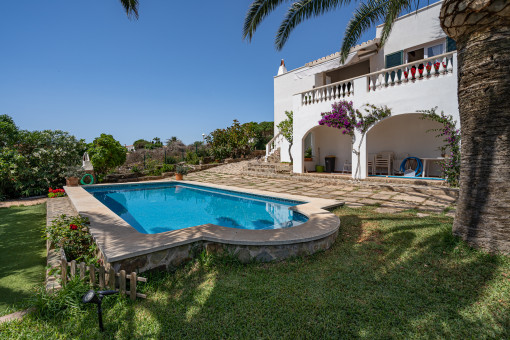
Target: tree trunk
290,154
481,29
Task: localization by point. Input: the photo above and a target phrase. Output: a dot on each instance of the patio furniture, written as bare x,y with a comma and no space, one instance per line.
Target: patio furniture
385,160
347,166
371,162
425,160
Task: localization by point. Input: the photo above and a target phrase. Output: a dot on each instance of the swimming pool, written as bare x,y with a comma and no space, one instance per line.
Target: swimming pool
160,207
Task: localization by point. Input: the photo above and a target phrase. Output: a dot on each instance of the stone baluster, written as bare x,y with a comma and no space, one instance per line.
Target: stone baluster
449,67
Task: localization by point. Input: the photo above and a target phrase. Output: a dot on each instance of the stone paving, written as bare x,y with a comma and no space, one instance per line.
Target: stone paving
23,201
354,195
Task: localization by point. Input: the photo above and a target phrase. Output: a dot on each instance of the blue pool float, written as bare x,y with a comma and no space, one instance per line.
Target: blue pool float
419,168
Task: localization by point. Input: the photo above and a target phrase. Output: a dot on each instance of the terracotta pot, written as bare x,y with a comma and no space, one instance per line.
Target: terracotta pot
308,159
72,181
178,177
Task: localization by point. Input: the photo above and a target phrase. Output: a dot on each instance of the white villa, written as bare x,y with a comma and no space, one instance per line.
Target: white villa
387,75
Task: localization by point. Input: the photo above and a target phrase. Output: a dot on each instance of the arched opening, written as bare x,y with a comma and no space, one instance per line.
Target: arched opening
401,136
324,141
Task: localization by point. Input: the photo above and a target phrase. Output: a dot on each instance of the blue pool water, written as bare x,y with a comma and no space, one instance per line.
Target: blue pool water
159,207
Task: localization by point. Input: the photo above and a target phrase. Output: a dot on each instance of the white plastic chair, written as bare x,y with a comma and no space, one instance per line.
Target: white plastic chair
347,166
371,163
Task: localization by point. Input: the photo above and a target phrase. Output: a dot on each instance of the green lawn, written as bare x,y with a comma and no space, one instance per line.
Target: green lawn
387,276
22,253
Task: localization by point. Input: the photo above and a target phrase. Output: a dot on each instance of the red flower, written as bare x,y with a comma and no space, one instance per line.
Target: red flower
436,65
73,227
405,74
50,190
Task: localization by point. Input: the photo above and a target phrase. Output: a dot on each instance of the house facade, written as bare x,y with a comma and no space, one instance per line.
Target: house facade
415,70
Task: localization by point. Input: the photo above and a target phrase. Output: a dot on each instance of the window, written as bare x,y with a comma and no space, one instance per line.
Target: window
393,60
434,50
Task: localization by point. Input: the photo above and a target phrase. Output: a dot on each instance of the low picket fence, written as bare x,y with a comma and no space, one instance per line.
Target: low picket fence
104,279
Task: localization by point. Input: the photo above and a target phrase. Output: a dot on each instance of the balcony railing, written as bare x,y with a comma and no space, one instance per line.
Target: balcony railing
341,89
420,70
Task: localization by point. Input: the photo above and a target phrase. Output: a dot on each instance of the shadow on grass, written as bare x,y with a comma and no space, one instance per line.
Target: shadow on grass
387,276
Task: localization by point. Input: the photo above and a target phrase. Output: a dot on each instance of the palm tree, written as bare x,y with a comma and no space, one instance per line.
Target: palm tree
131,7
481,29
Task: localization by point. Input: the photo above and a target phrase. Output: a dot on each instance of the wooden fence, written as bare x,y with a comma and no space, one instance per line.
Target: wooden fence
105,279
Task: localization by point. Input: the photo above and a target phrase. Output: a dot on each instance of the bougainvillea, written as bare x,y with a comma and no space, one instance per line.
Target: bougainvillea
451,148
344,117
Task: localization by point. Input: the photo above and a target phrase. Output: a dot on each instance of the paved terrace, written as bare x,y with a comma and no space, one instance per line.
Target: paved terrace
388,199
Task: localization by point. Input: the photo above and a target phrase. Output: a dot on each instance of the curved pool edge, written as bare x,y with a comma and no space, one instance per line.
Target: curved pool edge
125,248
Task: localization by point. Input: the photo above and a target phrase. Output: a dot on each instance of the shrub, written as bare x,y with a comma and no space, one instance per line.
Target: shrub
171,160
167,167
135,169
32,161
192,158
71,233
106,153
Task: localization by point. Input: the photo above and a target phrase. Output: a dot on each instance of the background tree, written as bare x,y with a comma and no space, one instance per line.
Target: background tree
140,144
175,146
286,129
106,153
481,29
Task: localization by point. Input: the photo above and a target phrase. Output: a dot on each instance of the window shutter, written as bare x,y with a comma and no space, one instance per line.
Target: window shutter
451,45
394,59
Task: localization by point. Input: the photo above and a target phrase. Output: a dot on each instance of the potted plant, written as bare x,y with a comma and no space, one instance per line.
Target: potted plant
73,175
308,155
180,171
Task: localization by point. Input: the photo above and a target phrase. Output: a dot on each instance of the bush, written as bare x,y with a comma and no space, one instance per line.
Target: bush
106,153
192,158
71,233
171,160
32,161
167,168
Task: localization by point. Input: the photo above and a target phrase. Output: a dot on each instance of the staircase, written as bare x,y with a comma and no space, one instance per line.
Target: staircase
261,168
274,157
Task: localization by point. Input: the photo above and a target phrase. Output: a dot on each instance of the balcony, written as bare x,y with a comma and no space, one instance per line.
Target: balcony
406,79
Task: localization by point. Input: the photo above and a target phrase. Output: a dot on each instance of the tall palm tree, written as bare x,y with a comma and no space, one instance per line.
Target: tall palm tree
481,29
131,7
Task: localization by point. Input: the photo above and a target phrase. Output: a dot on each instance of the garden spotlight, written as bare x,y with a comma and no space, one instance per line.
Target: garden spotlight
92,297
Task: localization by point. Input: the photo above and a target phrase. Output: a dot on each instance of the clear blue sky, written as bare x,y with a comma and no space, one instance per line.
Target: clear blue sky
181,70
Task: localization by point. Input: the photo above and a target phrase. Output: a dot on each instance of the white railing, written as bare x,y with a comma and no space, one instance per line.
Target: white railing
273,144
421,70
341,89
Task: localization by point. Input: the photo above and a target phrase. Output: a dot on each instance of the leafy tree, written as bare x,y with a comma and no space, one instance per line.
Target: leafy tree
234,141
156,143
480,30
106,153
287,130
175,146
140,144
9,132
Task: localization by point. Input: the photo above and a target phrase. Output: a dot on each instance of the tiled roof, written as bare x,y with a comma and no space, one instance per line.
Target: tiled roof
362,46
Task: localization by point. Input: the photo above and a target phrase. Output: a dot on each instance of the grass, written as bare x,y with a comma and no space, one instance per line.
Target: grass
22,253
387,276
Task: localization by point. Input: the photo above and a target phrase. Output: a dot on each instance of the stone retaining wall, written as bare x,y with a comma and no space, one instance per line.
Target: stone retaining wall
171,258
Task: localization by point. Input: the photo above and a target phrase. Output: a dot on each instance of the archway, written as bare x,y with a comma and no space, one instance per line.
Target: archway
327,141
405,135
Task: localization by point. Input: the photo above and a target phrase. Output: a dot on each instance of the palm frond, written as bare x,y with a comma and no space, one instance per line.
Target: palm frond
368,14
259,9
300,11
131,7
394,9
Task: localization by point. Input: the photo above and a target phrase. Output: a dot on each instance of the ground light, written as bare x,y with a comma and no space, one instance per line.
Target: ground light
92,297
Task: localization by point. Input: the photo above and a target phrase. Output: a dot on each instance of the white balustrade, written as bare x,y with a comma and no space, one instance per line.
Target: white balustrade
273,145
440,65
341,89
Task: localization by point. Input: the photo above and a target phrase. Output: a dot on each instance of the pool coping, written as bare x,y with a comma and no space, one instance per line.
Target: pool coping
117,240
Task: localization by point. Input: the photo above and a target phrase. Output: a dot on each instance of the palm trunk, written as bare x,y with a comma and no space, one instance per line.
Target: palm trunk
483,44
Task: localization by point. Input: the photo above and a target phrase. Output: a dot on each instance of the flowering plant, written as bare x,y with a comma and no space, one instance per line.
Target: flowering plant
451,137
52,193
429,67
413,71
344,117
71,233
406,74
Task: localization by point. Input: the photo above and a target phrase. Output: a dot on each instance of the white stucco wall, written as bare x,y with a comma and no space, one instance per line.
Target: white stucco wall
415,30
